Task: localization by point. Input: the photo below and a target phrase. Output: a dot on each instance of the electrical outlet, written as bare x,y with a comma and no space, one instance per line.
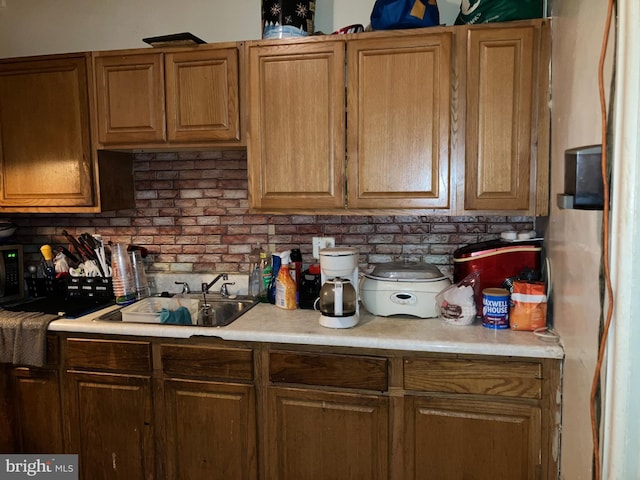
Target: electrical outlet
320,243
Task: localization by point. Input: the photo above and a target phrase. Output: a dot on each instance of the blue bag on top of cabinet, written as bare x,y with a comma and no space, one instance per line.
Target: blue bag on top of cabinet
399,14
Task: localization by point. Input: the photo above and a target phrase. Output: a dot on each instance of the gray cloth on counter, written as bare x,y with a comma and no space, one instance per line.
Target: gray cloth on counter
23,337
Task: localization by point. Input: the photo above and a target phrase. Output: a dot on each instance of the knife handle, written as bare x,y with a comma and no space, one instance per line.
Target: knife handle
68,254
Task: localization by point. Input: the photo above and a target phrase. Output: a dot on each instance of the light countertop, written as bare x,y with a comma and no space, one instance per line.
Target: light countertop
268,323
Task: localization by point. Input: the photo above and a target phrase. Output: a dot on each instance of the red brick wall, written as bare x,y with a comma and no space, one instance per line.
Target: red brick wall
191,214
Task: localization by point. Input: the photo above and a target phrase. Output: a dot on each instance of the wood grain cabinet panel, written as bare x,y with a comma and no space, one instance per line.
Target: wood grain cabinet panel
318,435
98,354
343,371
396,124
45,142
207,361
130,98
48,163
179,97
296,148
109,420
485,440
210,431
474,376
399,104
445,119
504,101
202,96
38,410
212,409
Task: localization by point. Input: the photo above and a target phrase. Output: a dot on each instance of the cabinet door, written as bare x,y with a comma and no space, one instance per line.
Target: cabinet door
481,439
202,95
45,147
38,410
209,431
317,435
130,98
296,146
109,424
399,92
499,166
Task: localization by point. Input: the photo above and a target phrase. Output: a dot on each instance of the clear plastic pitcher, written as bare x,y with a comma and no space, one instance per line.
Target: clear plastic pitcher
139,275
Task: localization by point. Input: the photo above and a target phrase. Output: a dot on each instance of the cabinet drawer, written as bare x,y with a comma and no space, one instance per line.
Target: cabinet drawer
481,377
209,362
108,355
347,371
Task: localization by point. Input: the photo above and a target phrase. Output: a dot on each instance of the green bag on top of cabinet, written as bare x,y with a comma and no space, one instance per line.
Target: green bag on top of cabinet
490,11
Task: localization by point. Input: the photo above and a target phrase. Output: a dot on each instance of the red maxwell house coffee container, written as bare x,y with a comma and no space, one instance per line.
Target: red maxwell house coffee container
496,261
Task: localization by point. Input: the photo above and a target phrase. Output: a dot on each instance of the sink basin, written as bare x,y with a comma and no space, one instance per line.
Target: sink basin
220,313
216,312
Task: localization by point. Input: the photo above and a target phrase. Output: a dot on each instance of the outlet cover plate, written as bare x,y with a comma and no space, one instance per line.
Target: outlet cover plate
320,243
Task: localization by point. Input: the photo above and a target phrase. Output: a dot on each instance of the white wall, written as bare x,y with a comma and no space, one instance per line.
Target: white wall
34,27
574,236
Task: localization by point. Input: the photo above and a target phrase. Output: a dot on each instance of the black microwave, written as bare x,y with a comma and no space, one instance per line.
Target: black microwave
11,273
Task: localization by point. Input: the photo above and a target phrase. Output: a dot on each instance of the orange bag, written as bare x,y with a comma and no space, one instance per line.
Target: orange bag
528,306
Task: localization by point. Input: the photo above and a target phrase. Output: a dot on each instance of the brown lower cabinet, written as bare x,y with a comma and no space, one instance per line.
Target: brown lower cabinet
108,407
447,438
30,412
38,411
109,422
206,410
152,408
30,406
326,416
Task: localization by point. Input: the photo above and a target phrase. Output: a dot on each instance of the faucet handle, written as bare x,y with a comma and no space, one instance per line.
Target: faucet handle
224,290
185,287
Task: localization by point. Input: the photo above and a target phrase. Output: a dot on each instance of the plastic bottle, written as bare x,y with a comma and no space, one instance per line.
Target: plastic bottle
285,285
275,268
256,286
265,269
296,270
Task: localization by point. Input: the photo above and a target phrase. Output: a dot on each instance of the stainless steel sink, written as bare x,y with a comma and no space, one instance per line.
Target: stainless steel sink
220,313
217,311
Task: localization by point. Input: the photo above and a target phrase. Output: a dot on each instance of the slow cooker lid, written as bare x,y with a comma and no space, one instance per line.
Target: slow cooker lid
406,272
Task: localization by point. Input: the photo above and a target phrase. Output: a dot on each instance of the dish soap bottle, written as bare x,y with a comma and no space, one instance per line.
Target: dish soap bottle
265,276
285,285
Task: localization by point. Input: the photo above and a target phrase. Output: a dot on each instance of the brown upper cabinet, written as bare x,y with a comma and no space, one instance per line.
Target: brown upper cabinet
398,106
397,146
297,125
168,97
445,119
507,118
47,163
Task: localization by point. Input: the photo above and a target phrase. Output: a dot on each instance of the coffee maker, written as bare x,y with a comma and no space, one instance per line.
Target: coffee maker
338,299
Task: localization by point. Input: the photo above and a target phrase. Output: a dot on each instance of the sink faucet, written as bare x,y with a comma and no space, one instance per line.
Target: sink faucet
206,286
224,291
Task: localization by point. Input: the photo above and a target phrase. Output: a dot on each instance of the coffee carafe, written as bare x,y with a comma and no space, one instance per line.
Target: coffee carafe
338,300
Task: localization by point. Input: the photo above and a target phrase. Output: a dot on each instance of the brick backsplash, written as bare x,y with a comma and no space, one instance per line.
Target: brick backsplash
192,215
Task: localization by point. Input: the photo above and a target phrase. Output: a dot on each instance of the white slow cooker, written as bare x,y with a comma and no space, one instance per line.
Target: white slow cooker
402,288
